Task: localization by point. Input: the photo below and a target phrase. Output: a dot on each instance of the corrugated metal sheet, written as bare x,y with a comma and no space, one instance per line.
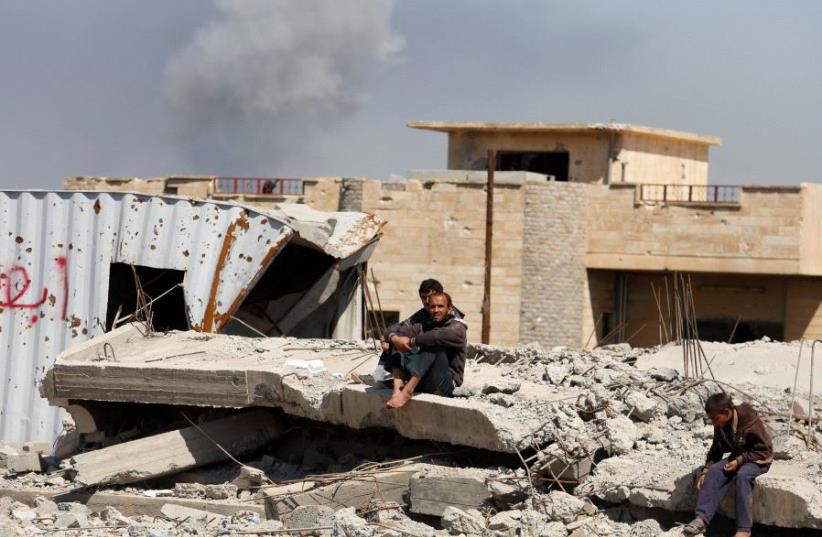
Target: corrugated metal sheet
57,248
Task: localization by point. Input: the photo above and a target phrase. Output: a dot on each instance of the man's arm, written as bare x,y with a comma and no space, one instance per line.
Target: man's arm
452,336
716,451
757,441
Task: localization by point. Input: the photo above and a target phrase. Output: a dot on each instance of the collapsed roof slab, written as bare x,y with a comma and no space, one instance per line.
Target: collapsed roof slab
189,368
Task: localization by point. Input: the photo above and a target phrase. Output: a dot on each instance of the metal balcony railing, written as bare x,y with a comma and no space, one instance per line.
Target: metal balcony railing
256,186
720,194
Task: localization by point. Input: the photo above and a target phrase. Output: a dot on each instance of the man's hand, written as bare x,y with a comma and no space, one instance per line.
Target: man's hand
700,480
401,343
383,344
731,466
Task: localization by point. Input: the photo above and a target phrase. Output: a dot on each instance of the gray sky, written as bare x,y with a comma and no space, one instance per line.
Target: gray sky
274,88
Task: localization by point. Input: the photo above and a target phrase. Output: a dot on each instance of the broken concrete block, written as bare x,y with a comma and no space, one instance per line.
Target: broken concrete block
180,513
555,374
221,492
665,374
308,516
45,507
67,519
501,385
644,408
347,523
24,514
249,478
42,448
459,522
174,451
622,433
562,507
801,409
7,449
431,493
24,462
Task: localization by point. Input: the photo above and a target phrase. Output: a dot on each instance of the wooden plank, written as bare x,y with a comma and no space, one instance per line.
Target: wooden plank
168,453
431,494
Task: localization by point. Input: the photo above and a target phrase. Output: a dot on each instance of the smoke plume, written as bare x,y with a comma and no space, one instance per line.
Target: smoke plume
254,84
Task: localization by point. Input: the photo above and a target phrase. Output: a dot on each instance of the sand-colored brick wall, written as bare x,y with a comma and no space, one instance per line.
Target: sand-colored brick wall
553,263
760,235
436,229
116,184
803,311
651,159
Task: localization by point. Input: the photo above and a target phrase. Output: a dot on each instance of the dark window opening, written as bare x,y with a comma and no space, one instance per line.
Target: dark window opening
168,312
390,317
545,162
723,330
172,190
290,276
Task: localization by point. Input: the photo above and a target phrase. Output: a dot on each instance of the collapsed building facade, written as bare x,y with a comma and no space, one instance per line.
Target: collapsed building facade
590,222
78,264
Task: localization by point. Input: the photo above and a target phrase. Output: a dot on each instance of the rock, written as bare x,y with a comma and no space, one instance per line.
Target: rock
665,374
616,347
189,490
7,449
622,433
457,522
308,516
45,507
501,385
563,507
221,492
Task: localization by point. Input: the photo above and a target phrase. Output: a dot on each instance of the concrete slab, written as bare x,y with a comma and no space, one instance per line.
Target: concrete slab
190,368
786,496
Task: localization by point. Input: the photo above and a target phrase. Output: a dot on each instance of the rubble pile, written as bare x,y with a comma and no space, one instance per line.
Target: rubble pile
557,442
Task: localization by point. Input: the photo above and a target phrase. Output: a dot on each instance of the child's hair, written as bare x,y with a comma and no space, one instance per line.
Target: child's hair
718,402
430,286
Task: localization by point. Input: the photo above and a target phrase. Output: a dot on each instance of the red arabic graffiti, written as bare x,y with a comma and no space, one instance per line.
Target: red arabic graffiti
17,284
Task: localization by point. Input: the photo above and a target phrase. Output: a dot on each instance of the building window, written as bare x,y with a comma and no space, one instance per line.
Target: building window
553,163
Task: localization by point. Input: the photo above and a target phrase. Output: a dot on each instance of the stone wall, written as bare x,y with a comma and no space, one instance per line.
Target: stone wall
553,264
436,229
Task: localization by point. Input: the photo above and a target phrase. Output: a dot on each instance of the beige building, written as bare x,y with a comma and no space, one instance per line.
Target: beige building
588,219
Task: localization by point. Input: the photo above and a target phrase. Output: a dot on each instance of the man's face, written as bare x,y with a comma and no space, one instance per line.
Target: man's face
437,307
424,298
721,418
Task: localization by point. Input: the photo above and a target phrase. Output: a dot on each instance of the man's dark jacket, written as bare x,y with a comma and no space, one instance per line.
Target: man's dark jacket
449,335
745,437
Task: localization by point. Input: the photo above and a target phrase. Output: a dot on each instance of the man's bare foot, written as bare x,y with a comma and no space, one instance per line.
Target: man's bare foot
398,400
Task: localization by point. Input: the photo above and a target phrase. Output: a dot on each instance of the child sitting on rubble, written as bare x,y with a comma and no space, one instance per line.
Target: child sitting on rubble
738,430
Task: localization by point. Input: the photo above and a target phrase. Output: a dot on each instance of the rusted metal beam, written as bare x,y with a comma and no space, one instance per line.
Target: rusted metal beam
489,242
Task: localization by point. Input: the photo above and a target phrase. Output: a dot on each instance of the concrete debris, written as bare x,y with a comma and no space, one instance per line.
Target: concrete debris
171,452
557,442
459,522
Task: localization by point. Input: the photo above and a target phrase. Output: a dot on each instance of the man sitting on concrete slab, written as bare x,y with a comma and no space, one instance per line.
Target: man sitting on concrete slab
427,356
738,429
